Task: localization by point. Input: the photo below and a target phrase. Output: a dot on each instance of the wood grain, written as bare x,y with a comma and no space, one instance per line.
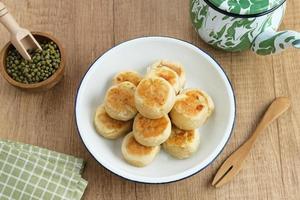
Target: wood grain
89,28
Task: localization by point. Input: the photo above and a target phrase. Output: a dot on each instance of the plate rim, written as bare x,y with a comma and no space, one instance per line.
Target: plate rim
164,37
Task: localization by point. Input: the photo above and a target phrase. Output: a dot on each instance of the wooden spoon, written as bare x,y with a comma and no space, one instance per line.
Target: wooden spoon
233,164
21,38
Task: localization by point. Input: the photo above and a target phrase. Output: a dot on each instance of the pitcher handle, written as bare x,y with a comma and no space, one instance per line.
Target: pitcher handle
271,42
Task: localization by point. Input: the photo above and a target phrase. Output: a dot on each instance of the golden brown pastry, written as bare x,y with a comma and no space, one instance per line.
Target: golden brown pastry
135,153
119,101
108,127
154,97
181,143
178,68
130,76
191,110
151,132
167,74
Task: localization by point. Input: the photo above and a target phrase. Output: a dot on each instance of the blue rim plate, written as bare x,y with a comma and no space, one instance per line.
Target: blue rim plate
202,71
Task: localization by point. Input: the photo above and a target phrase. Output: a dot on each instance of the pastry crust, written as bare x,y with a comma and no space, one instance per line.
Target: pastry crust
181,143
130,76
192,108
119,101
154,97
167,74
177,67
135,153
108,127
151,132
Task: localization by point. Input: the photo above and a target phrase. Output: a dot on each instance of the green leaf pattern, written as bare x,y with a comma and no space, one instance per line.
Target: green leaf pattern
198,13
228,33
246,6
270,42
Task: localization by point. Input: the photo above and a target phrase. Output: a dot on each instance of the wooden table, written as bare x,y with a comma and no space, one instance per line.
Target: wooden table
88,28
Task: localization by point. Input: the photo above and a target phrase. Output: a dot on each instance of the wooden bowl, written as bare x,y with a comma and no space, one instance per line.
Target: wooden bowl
43,85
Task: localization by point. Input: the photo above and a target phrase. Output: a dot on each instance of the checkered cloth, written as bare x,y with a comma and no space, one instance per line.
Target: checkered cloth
34,173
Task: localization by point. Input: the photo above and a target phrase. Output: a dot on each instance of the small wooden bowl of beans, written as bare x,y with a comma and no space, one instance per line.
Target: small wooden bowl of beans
43,72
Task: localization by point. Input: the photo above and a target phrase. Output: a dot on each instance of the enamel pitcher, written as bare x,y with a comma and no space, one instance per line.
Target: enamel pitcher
238,25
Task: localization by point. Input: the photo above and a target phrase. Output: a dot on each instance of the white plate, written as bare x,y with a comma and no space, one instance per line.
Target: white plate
202,72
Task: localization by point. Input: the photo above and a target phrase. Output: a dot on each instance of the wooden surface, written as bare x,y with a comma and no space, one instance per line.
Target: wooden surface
88,28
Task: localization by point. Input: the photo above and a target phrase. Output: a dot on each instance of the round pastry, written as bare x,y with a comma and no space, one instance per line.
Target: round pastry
191,109
108,127
167,74
130,76
119,101
182,144
151,132
137,154
154,97
178,68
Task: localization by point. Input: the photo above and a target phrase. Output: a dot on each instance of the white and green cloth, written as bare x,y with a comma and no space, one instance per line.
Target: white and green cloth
32,173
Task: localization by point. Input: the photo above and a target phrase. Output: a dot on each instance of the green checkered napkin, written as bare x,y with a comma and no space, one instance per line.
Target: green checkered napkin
30,172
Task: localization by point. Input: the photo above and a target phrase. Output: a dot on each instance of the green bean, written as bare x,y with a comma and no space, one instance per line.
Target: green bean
44,63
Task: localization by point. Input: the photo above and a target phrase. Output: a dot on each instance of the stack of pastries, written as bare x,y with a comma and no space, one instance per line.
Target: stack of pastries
153,111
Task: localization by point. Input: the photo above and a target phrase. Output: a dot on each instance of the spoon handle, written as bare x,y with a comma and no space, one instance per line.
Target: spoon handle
233,164
8,20
21,38
277,108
